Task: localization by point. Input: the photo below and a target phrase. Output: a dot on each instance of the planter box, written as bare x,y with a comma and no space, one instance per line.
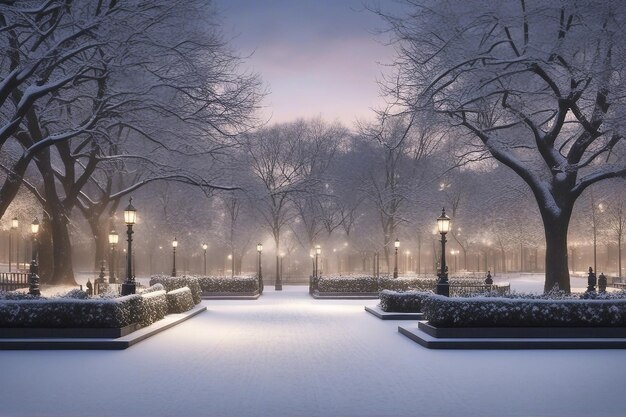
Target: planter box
230,295
432,337
392,315
344,295
75,333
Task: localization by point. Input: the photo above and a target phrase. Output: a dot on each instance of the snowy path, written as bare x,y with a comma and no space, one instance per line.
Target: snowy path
289,355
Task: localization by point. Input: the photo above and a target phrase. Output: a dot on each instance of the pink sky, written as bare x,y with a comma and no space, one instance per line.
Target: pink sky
316,57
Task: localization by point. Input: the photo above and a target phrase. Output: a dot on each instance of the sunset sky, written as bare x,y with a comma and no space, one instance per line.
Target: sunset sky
318,57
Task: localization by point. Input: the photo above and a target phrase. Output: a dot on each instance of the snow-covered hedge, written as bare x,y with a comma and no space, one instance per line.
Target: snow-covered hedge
174,283
405,302
371,284
237,284
350,283
94,312
179,300
523,312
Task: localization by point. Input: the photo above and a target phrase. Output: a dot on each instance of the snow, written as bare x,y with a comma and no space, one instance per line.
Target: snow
287,354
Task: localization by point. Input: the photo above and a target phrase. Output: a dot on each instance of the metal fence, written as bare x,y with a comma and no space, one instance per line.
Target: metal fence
11,281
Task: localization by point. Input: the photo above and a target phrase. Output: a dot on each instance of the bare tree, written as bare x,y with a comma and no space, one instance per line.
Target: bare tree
534,85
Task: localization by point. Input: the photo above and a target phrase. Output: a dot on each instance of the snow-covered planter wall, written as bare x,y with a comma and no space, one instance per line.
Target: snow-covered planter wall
174,283
344,284
179,300
62,312
404,302
237,284
371,284
522,312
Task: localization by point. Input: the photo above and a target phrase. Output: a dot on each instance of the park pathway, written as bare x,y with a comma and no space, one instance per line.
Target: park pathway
287,354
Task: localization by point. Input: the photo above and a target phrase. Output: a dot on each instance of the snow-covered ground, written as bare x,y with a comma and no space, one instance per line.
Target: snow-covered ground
287,354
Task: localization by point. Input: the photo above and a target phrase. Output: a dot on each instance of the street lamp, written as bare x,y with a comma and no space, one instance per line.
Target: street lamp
33,278
318,252
312,255
113,239
396,244
130,217
443,226
259,249
174,246
204,248
14,225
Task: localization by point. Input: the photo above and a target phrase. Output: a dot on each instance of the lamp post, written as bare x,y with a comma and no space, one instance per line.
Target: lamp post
443,225
396,244
204,248
14,225
130,217
259,249
174,246
113,239
312,255
33,278
318,252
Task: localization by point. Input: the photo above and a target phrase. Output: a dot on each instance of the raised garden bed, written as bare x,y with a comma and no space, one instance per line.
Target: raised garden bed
391,315
366,287
551,321
213,287
76,320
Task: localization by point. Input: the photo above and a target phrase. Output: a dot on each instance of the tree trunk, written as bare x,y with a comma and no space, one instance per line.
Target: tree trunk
556,264
61,251
46,260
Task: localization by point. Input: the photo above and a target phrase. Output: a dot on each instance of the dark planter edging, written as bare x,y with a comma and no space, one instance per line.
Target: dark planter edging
344,295
73,333
424,339
522,332
393,315
119,343
230,295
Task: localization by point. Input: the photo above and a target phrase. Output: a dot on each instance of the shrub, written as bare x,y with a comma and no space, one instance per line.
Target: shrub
179,300
76,294
173,283
405,302
347,283
237,284
95,312
371,284
523,312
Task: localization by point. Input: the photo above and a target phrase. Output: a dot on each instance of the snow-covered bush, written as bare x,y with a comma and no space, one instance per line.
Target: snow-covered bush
16,295
173,283
371,284
179,300
523,312
76,294
405,302
93,312
349,283
237,284
153,288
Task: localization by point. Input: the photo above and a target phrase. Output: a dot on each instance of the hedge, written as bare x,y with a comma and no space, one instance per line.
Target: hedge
371,284
523,312
404,302
174,283
179,300
60,312
237,284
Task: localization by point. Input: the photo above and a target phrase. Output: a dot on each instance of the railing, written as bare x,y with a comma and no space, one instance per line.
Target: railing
11,281
620,285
